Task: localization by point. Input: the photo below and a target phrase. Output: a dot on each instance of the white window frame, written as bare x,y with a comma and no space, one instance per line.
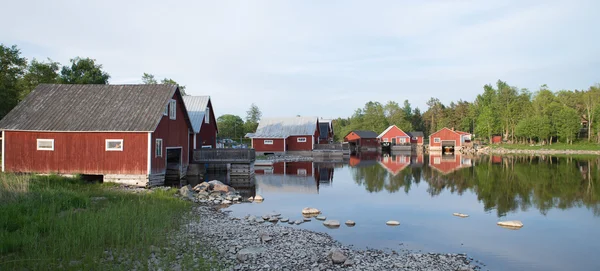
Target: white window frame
207,115
172,109
402,139
385,139
158,150
166,112
437,160
41,140
268,142
301,139
106,148
301,171
436,140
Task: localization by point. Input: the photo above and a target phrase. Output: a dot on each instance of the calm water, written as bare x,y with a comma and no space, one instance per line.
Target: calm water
557,199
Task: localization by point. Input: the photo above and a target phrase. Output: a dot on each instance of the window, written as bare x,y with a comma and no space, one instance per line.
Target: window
414,138
207,115
385,140
45,144
301,139
437,161
268,142
159,147
402,140
301,171
114,144
172,109
166,113
436,140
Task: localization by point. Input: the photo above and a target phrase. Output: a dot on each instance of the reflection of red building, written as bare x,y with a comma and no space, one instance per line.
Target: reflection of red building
448,163
496,159
363,159
297,177
395,163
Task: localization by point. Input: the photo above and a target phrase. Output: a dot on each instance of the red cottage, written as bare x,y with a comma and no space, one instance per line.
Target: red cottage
123,132
325,131
416,138
362,140
281,135
394,135
203,121
449,139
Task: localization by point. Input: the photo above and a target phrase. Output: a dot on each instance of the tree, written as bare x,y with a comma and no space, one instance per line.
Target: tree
591,101
39,73
12,68
83,71
486,123
397,116
148,78
567,124
230,126
253,116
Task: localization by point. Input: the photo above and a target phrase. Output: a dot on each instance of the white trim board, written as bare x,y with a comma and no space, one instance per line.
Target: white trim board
149,154
3,149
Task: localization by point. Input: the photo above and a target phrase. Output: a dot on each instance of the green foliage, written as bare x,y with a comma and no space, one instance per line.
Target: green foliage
253,116
39,73
12,68
49,222
83,71
230,126
567,124
148,78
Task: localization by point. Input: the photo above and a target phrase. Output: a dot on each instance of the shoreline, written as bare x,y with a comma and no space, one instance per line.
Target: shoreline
257,244
488,150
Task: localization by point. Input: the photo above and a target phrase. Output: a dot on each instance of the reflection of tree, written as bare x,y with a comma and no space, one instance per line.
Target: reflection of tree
516,183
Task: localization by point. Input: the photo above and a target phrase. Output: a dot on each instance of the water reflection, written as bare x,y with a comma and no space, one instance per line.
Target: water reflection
504,184
303,177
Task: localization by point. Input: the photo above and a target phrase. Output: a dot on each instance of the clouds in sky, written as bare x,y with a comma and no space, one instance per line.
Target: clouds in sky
323,58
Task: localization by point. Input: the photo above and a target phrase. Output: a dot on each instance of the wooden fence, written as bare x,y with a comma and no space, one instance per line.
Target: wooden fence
224,155
338,146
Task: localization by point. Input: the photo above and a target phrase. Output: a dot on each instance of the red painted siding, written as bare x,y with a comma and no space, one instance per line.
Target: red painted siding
446,163
174,133
76,152
367,142
444,134
293,168
293,144
259,146
395,163
418,141
208,131
396,133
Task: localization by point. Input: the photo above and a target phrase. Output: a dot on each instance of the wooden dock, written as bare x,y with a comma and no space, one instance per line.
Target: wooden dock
238,162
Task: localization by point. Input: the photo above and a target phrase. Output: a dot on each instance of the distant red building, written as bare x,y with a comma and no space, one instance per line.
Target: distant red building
325,131
394,135
204,124
448,138
496,139
126,133
362,140
416,138
280,135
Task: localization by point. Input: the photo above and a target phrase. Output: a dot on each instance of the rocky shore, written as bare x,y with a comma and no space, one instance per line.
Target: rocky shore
272,242
488,150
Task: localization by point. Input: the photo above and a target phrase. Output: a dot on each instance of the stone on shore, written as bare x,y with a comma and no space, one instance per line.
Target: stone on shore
331,223
392,223
510,224
298,222
337,256
246,253
187,192
350,223
202,187
460,215
285,219
258,198
310,211
273,219
219,186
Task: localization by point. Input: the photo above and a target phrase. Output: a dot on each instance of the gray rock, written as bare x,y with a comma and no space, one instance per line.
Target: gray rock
221,187
265,238
331,223
348,262
226,202
337,256
273,219
186,192
266,217
350,223
260,220
298,222
246,253
285,219
202,187
321,217
306,219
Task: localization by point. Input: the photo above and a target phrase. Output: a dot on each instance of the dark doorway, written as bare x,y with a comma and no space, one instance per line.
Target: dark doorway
173,173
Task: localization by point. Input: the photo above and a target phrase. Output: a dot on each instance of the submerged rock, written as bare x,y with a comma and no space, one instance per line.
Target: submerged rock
331,223
298,222
392,223
350,223
321,217
285,219
510,224
460,215
273,219
310,211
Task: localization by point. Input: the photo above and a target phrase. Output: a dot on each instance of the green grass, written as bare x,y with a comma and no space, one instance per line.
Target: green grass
555,146
51,222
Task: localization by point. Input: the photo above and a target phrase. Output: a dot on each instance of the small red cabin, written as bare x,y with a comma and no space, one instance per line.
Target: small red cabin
362,140
204,124
394,135
325,131
496,139
126,133
280,135
446,138
416,138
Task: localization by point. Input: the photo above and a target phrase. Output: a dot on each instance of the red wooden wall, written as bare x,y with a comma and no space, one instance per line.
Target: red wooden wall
259,146
76,152
418,141
395,132
208,131
174,133
294,145
444,134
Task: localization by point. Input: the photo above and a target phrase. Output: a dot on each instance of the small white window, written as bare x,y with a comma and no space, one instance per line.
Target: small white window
301,139
301,171
268,142
45,144
166,113
436,140
414,138
385,140
207,115
437,160
172,111
402,140
159,147
114,144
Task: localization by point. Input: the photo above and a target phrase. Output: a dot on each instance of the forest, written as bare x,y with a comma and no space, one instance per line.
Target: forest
518,115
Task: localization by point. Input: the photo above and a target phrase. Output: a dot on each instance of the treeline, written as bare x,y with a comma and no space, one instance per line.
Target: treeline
18,76
518,115
233,127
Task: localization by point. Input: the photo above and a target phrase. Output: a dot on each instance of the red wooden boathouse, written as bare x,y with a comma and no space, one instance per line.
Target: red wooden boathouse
122,132
280,135
204,124
447,138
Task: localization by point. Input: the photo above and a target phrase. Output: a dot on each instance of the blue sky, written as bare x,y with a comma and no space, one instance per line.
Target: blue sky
321,58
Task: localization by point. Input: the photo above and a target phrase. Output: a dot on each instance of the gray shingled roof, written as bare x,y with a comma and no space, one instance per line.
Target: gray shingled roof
416,134
365,134
196,106
74,107
284,127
